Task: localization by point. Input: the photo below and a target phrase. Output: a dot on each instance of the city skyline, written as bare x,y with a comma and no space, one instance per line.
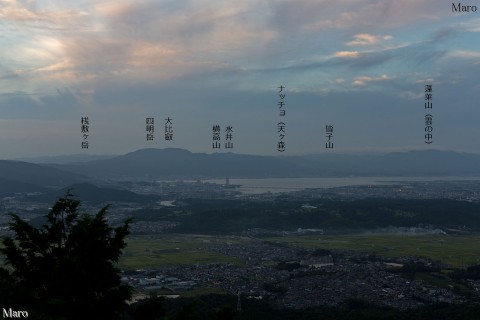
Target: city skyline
359,65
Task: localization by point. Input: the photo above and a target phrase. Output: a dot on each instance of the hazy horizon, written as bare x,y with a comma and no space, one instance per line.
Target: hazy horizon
65,158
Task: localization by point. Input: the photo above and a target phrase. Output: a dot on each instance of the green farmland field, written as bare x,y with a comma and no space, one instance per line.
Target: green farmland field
171,251
174,250
457,251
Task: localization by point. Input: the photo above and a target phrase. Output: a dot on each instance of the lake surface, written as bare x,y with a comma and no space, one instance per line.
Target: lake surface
276,185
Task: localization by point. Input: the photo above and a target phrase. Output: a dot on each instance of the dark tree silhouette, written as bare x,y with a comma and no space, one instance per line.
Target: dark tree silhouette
65,269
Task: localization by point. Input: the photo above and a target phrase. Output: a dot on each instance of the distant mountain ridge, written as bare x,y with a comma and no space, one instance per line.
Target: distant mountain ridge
171,163
158,164
63,159
88,192
179,163
30,174
10,188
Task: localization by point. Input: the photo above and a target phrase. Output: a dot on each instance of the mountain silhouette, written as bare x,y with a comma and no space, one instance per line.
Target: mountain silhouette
171,163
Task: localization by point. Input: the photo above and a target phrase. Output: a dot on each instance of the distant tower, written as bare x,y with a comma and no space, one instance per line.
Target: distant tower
239,303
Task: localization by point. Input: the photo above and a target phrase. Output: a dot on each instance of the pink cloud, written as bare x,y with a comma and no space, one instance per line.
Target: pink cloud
363,39
347,54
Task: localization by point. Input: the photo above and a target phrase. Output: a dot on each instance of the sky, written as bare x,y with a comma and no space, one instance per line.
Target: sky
358,65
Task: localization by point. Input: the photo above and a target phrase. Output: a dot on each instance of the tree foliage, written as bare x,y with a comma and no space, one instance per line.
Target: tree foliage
65,269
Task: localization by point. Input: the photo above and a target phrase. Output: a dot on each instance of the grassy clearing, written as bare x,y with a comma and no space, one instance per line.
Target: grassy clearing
172,251
442,281
458,251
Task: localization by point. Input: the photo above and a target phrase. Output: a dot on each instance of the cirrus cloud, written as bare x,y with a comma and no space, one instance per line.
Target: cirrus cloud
363,80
